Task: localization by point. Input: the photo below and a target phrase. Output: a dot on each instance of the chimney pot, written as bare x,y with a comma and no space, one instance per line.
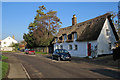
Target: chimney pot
74,20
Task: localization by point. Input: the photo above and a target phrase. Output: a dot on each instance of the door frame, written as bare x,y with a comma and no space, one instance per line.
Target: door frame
89,49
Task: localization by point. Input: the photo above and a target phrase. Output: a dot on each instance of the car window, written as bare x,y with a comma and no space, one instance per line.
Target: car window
65,51
56,51
61,51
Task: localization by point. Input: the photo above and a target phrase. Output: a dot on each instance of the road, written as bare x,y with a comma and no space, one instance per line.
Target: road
39,66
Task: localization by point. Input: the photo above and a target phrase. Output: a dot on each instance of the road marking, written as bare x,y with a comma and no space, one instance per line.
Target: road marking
26,72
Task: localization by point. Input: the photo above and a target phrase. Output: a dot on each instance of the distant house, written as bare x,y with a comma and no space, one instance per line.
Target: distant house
90,38
6,43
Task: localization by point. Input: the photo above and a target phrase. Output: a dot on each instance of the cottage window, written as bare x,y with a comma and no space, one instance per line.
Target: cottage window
4,42
61,46
70,47
107,32
109,46
70,36
12,42
76,47
60,38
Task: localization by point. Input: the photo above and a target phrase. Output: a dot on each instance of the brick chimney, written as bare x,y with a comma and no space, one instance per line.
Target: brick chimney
74,20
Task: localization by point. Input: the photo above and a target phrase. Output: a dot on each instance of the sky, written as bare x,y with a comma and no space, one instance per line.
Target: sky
16,16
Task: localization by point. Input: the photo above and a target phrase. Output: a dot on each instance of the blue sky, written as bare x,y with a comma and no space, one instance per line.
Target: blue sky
16,16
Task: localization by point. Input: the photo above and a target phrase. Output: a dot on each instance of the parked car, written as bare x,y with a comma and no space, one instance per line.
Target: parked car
29,51
61,54
22,50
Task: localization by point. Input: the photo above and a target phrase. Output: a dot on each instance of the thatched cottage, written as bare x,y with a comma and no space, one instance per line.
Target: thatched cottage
90,38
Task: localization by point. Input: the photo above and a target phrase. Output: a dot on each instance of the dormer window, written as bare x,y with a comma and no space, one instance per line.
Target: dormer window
70,36
75,36
65,37
60,38
56,39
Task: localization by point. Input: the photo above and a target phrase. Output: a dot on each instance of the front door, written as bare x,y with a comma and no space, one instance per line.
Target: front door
89,49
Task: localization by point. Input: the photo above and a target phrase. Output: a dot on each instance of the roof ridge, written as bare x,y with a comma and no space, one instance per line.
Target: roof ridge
86,21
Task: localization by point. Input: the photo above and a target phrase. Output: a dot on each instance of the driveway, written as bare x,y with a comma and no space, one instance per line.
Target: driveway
38,66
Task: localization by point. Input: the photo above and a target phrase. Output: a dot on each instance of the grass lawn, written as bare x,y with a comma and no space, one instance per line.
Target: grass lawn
40,52
7,51
4,57
3,67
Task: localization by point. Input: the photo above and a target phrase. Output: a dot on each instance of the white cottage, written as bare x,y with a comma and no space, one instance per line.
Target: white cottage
6,43
90,38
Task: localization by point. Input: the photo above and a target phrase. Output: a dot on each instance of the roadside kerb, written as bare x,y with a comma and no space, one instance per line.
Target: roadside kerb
26,72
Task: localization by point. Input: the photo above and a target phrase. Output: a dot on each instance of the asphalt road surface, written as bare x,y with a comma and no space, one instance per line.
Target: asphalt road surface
38,66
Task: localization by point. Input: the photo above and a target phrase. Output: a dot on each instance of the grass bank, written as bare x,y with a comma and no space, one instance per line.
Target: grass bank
4,57
4,67
41,53
8,51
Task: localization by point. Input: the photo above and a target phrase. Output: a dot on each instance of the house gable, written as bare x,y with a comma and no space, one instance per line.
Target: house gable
7,41
106,39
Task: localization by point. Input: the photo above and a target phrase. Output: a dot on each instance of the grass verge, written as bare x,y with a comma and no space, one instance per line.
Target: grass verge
4,57
8,51
3,67
40,52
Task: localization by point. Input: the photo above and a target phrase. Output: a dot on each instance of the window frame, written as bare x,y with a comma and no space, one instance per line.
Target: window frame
70,47
107,32
61,46
4,42
75,47
110,46
57,46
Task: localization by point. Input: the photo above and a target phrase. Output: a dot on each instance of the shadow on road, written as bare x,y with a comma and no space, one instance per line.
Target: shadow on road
107,72
50,57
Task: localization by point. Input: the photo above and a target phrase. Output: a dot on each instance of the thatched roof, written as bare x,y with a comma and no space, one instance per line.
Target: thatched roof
88,30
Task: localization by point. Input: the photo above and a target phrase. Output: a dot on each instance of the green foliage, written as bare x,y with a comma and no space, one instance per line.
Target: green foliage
41,52
4,57
4,68
15,45
43,28
29,39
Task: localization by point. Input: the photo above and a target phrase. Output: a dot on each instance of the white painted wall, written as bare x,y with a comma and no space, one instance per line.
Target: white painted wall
93,48
80,52
104,40
7,48
102,44
6,43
